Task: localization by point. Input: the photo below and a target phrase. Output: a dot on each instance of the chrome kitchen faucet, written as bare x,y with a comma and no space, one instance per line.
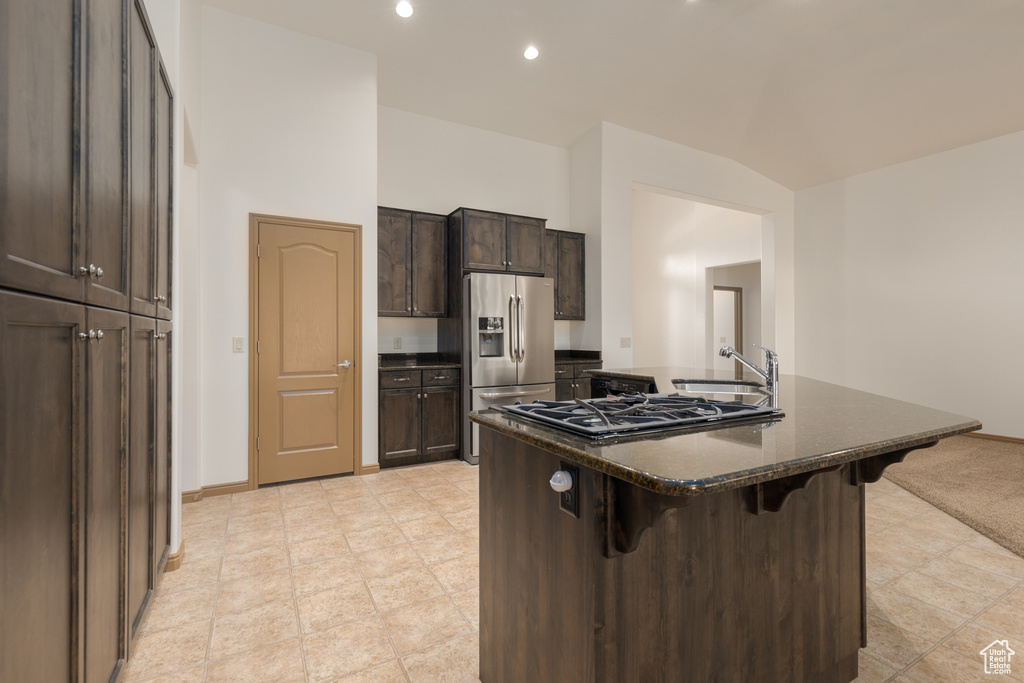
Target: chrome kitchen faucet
770,373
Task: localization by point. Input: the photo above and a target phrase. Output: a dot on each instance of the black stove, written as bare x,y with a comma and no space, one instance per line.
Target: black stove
630,413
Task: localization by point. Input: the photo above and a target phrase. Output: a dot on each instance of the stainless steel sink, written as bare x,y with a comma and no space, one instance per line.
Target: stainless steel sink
718,386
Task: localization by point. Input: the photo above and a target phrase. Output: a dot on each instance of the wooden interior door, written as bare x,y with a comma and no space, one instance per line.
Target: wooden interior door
308,346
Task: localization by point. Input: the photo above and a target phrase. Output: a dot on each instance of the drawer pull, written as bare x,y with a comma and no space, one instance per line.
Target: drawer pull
441,377
401,379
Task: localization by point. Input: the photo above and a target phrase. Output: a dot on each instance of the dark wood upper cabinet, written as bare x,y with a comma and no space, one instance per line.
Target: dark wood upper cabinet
162,253
411,264
394,265
497,242
40,139
525,244
429,266
142,213
570,302
106,227
551,256
42,379
483,241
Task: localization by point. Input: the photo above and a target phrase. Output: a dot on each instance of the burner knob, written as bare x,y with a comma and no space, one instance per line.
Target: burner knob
561,481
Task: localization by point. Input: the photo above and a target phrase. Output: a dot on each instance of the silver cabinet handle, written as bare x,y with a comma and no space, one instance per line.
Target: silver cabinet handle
440,376
162,335
160,299
99,335
400,379
91,335
82,336
92,271
408,308
347,364
415,310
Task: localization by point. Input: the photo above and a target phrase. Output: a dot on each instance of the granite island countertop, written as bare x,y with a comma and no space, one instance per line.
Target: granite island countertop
823,425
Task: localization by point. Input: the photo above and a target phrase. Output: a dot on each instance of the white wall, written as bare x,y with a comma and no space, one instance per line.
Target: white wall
910,280
426,164
289,127
676,246
629,157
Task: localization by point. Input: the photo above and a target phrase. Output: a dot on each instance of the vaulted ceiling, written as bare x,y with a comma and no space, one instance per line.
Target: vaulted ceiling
802,91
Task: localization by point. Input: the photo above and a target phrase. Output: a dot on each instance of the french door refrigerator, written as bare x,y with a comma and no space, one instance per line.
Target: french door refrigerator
508,345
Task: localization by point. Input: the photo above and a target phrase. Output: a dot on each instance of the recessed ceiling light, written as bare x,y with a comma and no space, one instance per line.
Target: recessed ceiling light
404,9
531,52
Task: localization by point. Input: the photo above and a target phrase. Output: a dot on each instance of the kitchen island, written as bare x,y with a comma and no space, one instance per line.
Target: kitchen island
730,553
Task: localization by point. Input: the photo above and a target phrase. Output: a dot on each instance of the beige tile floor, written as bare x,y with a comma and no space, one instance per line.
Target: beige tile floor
376,579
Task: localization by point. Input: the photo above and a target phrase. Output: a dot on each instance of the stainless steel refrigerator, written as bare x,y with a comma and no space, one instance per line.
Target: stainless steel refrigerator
508,345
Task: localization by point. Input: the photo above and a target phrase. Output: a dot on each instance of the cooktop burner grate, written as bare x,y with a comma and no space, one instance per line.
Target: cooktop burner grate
615,415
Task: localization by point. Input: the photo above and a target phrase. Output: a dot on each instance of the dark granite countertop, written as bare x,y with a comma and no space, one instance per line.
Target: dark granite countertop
577,356
413,361
823,424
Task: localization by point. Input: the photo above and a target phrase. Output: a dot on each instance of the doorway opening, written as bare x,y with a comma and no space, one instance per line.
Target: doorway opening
684,247
305,335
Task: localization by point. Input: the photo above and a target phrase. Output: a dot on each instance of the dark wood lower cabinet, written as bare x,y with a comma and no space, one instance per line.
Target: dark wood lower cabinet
106,408
141,468
420,423
42,374
84,484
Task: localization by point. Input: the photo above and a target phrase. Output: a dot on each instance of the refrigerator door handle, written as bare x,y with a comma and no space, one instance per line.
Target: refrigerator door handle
513,331
522,331
514,394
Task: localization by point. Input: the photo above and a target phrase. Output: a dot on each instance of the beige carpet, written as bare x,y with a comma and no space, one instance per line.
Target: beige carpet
978,481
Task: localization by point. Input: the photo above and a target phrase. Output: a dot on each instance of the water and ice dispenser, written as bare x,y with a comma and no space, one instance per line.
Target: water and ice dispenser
492,337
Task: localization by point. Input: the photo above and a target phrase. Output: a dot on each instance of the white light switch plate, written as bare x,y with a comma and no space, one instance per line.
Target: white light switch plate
398,342
625,342
237,344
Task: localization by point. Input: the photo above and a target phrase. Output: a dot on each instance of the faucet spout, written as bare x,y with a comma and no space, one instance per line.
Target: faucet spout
770,373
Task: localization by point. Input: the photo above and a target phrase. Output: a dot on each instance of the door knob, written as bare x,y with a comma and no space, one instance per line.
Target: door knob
343,364
561,481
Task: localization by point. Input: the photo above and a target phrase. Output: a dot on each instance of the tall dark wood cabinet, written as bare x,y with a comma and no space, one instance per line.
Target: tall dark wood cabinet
411,262
85,240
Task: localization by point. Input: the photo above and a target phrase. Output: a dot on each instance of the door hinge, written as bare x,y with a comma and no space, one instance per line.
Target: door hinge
257,347
257,251
257,443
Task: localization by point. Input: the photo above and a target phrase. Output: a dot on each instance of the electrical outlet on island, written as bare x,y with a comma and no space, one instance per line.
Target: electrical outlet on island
625,342
398,342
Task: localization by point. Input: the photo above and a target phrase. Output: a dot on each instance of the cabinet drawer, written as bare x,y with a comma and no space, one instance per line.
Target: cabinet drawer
583,367
563,371
441,378
400,379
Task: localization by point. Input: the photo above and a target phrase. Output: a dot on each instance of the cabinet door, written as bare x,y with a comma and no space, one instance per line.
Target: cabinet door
106,225
582,386
525,245
483,241
106,409
564,389
551,259
142,211
161,505
394,265
141,439
569,302
429,285
39,85
41,444
399,418
440,419
164,159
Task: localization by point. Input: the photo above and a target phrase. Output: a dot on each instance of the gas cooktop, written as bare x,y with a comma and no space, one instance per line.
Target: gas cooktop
629,413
